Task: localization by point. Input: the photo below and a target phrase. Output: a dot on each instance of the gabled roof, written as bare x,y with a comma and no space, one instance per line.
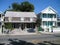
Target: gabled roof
19,14
49,10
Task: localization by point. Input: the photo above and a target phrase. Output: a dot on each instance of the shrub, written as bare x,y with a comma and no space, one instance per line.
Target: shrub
8,26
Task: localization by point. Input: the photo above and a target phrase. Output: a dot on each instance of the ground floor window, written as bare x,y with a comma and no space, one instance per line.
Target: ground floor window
15,25
58,24
50,23
23,25
47,23
30,25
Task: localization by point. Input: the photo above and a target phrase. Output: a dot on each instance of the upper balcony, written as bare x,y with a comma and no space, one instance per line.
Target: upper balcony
49,19
44,15
20,19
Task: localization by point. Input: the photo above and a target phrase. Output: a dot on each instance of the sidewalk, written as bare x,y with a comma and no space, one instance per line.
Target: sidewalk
27,33
20,34
23,34
46,32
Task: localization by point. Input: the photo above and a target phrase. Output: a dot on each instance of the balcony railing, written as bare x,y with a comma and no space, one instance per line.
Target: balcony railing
33,19
19,20
49,19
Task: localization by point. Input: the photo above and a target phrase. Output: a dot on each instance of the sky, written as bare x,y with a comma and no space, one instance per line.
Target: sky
38,4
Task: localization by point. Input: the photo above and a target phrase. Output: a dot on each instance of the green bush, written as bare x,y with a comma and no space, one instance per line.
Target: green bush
8,26
39,29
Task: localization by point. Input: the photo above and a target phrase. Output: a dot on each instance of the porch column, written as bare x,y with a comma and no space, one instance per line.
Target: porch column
42,23
13,25
25,27
20,26
54,23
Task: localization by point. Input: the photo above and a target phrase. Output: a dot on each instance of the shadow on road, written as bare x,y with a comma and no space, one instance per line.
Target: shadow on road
47,43
21,42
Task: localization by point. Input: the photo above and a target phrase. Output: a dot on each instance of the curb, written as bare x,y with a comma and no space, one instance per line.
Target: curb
18,34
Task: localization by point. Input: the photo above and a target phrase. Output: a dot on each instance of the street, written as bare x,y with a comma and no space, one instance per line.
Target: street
28,38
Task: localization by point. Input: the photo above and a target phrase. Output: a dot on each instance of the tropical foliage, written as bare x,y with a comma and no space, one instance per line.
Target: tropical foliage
8,26
23,7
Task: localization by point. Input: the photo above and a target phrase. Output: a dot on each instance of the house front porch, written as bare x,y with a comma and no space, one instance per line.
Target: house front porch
23,27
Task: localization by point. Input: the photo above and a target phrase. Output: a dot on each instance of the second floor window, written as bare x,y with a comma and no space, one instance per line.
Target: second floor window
26,18
34,19
44,15
6,19
16,18
49,15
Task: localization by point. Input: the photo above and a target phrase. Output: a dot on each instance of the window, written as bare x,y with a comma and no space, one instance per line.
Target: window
6,19
58,24
30,25
34,19
44,15
44,23
50,16
16,19
50,23
54,15
26,18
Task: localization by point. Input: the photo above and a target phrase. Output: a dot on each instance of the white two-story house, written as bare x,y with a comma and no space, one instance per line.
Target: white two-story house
49,19
21,20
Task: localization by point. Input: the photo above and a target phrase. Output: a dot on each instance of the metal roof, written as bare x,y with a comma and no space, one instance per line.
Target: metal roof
19,14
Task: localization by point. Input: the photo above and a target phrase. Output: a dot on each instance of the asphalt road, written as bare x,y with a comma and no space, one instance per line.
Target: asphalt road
43,37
